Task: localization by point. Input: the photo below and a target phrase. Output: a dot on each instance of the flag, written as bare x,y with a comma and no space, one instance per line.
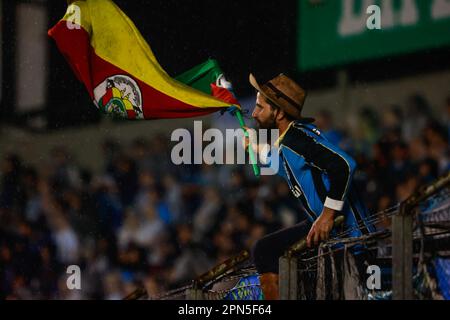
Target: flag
209,78
120,72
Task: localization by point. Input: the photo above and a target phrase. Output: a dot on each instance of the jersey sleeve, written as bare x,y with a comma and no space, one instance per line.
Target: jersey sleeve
327,158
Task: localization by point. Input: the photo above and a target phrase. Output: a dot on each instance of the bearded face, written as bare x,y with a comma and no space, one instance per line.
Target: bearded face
264,114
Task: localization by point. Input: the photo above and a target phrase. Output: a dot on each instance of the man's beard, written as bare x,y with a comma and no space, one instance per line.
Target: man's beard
268,124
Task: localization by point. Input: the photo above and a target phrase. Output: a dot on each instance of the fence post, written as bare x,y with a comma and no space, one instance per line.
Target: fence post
288,278
194,294
402,254
402,238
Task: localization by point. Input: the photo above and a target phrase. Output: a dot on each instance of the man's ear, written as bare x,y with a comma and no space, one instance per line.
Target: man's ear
281,115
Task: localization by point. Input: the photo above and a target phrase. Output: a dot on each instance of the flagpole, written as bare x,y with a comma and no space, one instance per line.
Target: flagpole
237,112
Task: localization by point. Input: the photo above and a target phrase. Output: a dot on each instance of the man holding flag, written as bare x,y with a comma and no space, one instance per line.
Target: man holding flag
318,173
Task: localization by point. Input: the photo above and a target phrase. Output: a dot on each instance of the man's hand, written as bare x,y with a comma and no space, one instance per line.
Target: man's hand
251,138
321,228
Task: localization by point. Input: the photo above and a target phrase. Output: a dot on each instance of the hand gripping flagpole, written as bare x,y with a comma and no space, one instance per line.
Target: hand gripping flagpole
237,112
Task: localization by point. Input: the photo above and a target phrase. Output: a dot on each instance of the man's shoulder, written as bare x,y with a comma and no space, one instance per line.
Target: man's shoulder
297,135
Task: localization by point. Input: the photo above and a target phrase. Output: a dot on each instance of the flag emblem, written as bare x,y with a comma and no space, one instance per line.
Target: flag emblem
121,96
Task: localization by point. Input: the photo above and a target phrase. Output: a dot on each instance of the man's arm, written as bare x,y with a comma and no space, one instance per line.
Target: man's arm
339,168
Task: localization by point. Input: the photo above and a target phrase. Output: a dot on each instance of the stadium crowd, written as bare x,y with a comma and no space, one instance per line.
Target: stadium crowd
144,219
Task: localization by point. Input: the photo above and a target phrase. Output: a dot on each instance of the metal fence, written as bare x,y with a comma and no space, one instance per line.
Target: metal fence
410,254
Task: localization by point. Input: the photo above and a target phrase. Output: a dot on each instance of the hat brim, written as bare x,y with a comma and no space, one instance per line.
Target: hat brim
255,84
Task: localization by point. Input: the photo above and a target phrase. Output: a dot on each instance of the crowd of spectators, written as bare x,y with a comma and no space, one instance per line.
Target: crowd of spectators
145,220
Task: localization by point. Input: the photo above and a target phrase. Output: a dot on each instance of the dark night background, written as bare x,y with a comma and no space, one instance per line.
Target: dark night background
79,187
250,36
244,36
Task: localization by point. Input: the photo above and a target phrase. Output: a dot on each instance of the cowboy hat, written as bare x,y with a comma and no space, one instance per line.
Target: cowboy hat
284,93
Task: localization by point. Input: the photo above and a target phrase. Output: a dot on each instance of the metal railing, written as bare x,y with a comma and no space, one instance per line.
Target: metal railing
402,238
291,276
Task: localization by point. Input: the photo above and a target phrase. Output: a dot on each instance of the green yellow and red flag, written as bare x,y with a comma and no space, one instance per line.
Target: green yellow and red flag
121,74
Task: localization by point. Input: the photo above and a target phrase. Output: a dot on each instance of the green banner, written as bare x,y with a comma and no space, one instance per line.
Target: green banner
201,76
336,32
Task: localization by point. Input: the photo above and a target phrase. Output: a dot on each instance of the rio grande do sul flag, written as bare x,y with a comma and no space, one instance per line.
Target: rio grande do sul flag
109,55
